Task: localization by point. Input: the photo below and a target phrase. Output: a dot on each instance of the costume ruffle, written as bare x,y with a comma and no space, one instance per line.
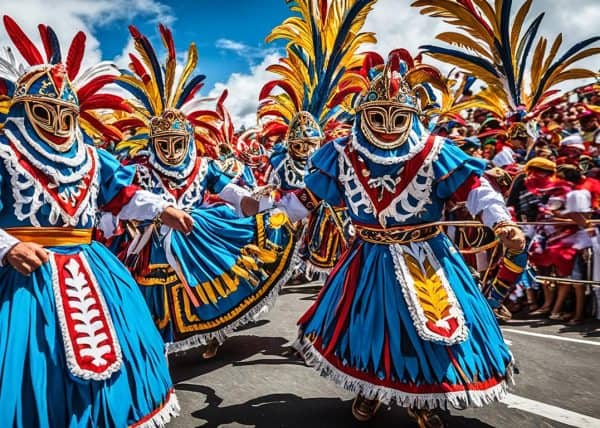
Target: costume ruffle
363,332
37,389
217,278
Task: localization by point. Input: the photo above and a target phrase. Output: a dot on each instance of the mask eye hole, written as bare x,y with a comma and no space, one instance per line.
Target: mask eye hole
41,114
377,119
399,121
163,145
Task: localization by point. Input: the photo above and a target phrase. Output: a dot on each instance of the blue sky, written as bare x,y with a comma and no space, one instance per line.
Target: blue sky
214,25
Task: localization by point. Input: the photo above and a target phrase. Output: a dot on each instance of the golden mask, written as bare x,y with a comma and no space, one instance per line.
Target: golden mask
54,122
171,149
386,126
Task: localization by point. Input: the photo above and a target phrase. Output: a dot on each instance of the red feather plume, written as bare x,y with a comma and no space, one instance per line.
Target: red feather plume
43,29
24,45
75,55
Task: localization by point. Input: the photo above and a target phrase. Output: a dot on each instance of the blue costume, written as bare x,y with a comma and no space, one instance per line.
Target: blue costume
78,347
203,285
400,317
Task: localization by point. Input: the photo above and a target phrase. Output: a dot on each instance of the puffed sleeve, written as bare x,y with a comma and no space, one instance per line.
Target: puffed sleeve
323,172
453,169
216,180
116,180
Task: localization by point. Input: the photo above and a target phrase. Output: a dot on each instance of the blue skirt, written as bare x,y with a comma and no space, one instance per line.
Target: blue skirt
203,285
38,387
407,323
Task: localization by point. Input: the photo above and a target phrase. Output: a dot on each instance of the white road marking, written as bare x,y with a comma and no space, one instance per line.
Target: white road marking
551,412
551,336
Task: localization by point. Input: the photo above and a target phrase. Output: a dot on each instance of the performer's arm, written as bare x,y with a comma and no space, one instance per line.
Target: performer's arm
128,202
482,200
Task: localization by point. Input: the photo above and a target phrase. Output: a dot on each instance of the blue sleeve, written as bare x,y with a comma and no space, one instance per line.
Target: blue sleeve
114,177
322,176
248,177
216,179
452,168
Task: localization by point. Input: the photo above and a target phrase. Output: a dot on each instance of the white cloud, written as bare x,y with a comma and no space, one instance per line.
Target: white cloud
252,54
69,16
243,89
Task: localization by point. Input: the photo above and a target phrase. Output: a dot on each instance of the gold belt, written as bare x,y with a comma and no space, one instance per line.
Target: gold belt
399,235
52,236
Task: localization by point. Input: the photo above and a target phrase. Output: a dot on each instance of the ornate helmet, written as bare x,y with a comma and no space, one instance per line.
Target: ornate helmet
322,44
166,110
49,93
388,96
303,136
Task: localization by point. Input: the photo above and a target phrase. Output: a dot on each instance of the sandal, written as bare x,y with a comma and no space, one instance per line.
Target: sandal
540,311
211,349
426,418
561,316
364,409
575,321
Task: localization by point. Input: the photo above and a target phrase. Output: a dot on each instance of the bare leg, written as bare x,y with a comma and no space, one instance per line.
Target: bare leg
563,292
579,303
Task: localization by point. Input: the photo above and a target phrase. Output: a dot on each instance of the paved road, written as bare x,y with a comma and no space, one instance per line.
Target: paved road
256,382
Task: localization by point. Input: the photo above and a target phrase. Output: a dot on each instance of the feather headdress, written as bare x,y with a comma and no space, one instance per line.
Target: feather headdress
519,71
86,85
322,45
156,89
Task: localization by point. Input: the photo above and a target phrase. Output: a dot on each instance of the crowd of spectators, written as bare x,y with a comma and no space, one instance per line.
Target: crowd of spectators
548,169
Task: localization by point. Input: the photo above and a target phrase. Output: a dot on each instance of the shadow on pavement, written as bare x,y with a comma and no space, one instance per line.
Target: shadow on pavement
234,352
292,411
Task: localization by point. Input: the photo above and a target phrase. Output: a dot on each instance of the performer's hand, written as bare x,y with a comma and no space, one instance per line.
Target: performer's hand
27,257
177,219
512,237
249,206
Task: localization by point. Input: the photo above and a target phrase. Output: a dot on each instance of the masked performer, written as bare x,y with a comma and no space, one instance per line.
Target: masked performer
253,154
319,52
78,345
400,317
199,286
216,129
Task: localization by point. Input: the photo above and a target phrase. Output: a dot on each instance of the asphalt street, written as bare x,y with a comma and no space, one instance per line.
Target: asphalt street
256,381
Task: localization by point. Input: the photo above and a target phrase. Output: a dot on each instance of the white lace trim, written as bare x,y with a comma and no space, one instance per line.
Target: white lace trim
27,206
294,176
81,159
179,175
152,181
419,189
252,315
392,160
160,419
421,251
458,399
87,321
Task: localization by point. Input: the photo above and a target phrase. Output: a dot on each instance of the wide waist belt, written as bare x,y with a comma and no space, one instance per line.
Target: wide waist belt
399,235
52,236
